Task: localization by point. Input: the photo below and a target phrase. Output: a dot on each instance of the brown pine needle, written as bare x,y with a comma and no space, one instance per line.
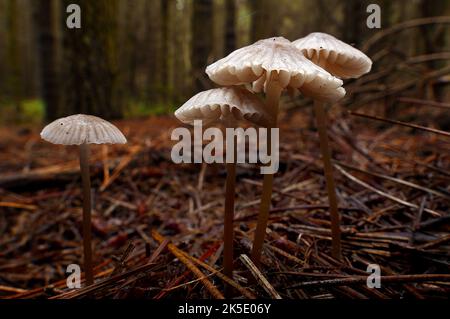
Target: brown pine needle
123,163
259,277
225,278
174,250
383,279
419,127
424,102
391,197
18,205
394,179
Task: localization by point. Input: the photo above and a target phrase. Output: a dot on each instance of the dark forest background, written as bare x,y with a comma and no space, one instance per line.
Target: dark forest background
140,57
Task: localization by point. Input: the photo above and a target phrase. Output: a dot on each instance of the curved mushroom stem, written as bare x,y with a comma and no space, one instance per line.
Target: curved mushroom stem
86,183
273,93
321,120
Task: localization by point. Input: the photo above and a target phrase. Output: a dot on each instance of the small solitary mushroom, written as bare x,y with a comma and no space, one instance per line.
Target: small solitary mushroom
272,65
227,105
343,61
83,130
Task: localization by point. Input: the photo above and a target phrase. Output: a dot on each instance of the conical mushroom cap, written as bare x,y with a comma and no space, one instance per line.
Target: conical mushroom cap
224,103
334,55
82,129
275,59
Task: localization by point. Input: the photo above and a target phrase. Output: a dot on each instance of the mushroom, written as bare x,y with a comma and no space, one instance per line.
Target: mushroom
343,61
226,105
335,56
272,65
83,130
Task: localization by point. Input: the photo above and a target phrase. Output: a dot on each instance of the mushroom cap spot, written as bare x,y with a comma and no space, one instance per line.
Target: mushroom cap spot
335,56
227,104
82,129
273,59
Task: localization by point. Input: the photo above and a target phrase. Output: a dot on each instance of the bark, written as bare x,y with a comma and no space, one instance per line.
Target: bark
230,26
354,23
433,41
153,65
179,36
202,26
14,83
265,19
92,77
165,55
44,18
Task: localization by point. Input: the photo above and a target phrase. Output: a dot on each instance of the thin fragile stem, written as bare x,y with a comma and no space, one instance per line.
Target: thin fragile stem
228,219
273,94
86,186
321,120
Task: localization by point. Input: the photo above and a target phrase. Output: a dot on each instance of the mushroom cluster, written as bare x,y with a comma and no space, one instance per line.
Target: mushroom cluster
227,106
314,66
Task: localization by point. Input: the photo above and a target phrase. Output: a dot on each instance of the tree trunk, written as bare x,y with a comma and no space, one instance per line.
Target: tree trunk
433,41
153,60
201,42
230,26
13,54
44,18
354,21
180,32
2,46
92,79
165,55
265,20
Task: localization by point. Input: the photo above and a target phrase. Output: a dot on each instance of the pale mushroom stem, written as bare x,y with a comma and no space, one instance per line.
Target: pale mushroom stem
321,120
86,186
228,219
228,225
273,93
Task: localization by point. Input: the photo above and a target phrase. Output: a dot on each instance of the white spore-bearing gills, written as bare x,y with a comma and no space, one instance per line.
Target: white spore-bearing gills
224,103
275,59
82,129
334,55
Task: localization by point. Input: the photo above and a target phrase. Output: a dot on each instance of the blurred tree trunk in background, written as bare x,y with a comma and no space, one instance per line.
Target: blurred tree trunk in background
432,40
433,37
150,55
153,51
165,55
28,46
3,44
265,19
354,21
230,26
14,84
44,18
130,46
201,41
180,35
92,79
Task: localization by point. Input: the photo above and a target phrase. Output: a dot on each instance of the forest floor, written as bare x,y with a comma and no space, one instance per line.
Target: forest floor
154,221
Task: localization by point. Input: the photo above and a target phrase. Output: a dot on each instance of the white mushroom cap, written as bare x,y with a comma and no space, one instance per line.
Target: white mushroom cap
334,55
277,59
82,129
230,103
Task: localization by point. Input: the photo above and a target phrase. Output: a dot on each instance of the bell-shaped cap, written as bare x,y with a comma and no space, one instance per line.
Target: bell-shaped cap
228,103
275,59
82,129
334,55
